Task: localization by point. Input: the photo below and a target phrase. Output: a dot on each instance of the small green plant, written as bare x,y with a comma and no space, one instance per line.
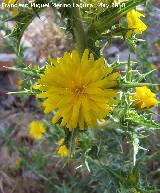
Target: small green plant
99,116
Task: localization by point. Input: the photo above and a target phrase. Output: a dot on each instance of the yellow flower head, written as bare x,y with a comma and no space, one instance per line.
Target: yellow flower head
60,141
15,8
63,151
18,163
132,178
134,190
20,84
154,67
144,98
80,90
37,129
135,23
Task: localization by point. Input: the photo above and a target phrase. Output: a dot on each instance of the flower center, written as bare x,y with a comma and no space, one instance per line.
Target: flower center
79,90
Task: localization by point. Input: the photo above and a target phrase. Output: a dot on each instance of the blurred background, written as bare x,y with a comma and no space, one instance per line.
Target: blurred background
45,37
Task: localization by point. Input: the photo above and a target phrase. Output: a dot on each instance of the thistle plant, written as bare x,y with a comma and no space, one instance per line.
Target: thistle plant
81,90
96,111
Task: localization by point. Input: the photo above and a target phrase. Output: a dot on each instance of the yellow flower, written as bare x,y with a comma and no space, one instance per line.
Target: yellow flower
60,141
37,129
80,90
132,178
18,163
15,3
154,67
144,98
20,84
135,23
76,142
63,151
117,1
134,190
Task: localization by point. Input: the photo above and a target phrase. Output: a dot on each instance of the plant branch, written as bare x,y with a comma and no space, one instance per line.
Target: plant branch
78,30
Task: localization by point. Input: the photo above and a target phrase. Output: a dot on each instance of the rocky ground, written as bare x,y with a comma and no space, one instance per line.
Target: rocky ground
17,112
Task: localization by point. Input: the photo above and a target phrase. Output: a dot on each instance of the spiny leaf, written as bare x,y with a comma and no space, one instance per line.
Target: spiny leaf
145,75
109,18
142,120
23,92
23,19
27,70
129,70
105,21
135,144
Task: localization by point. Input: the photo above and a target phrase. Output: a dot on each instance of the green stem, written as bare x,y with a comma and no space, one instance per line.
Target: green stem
131,85
25,71
107,20
78,30
23,92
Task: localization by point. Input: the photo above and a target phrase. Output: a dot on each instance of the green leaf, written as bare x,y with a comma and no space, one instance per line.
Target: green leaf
105,21
141,120
111,16
135,144
27,71
129,70
143,76
23,92
23,19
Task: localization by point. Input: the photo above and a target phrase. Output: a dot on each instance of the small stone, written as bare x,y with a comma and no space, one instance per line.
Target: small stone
112,50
